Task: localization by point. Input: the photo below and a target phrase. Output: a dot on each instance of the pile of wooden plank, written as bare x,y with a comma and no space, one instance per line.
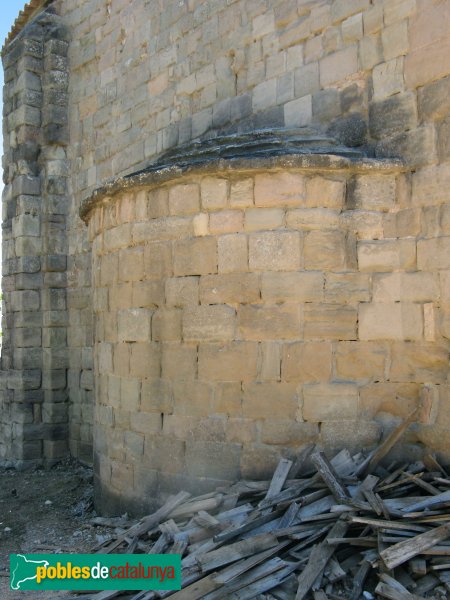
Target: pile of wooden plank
347,529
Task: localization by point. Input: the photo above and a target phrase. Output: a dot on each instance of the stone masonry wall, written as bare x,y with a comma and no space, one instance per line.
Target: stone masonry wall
146,75
34,402
150,74
240,316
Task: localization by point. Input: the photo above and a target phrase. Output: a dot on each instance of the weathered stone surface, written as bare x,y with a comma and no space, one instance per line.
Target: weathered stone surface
433,254
288,433
166,324
257,219
324,192
329,322
184,199
182,291
229,288
277,251
208,323
434,99
134,325
235,361
347,287
226,221
405,287
195,257
329,402
386,255
214,193
350,131
417,147
419,362
312,218
352,433
306,362
266,322
393,115
388,78
327,250
232,253
361,361
281,189
338,66
394,321
179,361
241,193
325,105
263,400
292,287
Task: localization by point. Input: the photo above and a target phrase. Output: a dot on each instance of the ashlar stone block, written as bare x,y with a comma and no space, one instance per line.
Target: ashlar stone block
329,402
196,256
211,323
279,189
274,251
134,325
394,321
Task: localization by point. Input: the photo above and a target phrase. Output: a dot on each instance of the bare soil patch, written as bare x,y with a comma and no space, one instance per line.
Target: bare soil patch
45,511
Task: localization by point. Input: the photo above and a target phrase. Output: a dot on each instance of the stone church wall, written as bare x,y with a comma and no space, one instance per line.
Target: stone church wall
148,75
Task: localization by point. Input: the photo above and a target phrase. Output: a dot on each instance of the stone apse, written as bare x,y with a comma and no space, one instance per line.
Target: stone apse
226,235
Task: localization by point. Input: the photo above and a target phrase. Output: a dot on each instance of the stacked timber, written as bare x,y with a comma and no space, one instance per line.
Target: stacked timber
347,529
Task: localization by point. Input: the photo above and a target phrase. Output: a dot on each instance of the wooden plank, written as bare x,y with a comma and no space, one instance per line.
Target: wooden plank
381,523
403,551
333,571
315,508
295,493
249,525
407,478
392,593
264,584
162,513
227,554
359,580
418,566
279,477
198,589
301,459
289,516
344,464
431,489
330,477
204,519
169,527
247,578
179,547
161,544
390,442
318,559
427,502
191,508
437,551
367,485
403,577
426,584
432,464
365,542
237,569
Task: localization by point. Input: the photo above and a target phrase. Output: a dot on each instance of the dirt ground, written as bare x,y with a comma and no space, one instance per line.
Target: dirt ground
45,511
